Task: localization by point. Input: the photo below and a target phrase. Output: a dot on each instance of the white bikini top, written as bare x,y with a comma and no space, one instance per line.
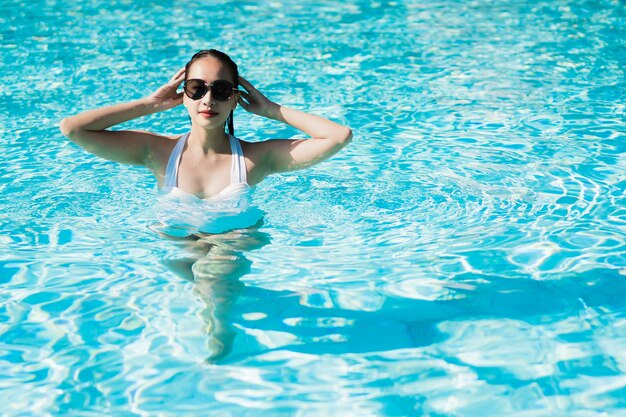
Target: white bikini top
182,214
238,175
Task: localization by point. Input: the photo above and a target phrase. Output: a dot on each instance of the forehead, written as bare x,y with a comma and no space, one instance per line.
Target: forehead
209,69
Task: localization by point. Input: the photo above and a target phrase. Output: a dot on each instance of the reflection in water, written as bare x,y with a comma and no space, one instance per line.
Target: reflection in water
215,263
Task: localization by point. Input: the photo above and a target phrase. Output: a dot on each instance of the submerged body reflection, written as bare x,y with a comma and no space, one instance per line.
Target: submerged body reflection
215,263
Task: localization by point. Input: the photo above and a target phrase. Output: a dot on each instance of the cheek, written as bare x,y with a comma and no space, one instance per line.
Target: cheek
188,103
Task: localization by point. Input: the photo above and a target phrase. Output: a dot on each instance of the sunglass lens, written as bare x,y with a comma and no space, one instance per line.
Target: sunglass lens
222,90
195,89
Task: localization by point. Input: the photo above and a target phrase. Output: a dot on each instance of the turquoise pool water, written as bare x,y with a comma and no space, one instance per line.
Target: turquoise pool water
464,256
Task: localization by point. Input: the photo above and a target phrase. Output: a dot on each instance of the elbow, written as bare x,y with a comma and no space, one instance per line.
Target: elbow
345,137
66,128
69,130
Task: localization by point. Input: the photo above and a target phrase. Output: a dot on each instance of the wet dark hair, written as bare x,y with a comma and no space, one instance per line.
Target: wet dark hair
229,63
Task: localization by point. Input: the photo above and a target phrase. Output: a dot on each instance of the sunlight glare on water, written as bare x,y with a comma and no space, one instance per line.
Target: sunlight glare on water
464,256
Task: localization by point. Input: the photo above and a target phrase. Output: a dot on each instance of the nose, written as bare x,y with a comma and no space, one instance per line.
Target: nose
207,100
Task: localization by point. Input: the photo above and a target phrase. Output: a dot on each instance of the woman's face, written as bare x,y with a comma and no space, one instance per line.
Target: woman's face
207,111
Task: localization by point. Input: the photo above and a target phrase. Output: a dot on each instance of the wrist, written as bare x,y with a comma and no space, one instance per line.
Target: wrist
273,111
148,105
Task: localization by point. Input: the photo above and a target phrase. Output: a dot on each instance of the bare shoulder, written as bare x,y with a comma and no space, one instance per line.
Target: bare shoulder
255,154
159,142
262,149
253,150
280,155
159,149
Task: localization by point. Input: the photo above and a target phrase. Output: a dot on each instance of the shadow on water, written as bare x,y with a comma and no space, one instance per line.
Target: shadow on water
283,322
268,320
288,319
215,264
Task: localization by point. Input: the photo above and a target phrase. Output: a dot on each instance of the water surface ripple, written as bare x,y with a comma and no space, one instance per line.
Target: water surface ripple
464,256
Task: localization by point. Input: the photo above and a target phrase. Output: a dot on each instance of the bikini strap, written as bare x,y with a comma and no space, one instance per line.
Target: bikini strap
238,172
171,172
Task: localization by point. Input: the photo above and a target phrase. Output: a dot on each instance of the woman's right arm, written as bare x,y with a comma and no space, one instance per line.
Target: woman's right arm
89,129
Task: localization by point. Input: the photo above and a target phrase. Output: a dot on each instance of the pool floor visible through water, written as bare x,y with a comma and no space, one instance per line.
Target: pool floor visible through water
464,256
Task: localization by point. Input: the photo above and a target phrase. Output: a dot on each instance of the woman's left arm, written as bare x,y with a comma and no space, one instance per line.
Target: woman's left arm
327,137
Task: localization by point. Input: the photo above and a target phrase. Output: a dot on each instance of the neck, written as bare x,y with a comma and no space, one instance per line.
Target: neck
208,141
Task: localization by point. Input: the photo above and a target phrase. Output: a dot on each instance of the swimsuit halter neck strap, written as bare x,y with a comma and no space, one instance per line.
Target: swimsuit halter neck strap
238,172
172,164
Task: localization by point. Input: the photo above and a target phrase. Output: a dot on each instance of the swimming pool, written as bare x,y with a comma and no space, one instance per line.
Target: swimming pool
464,256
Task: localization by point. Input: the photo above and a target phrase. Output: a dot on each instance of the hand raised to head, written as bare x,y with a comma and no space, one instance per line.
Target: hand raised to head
166,97
253,100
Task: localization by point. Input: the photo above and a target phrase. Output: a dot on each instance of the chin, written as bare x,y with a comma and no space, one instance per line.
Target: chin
211,123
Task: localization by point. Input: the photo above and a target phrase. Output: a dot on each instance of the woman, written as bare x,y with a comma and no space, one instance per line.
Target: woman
206,156
206,172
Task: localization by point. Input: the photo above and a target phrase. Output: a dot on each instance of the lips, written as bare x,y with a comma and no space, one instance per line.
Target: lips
208,113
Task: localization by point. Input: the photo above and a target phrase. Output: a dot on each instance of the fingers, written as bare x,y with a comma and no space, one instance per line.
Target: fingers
178,77
246,84
244,97
243,103
179,100
179,73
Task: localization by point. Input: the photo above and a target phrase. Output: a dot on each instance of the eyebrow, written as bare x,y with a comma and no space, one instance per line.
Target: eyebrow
209,82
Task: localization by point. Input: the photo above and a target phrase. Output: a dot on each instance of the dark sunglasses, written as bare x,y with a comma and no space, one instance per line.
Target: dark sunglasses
221,90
